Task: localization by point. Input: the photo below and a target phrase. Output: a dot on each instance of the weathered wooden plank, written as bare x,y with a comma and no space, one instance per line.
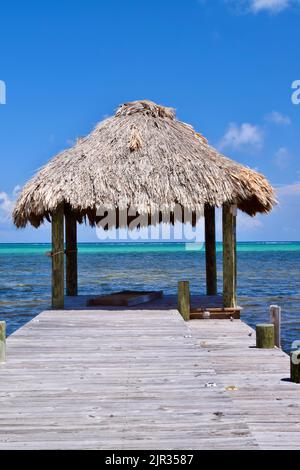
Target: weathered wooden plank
268,400
216,314
124,387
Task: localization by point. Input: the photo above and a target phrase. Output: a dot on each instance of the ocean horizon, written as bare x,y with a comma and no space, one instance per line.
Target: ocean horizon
268,273
141,245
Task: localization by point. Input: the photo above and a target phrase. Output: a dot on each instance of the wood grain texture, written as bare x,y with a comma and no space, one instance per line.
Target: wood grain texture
71,253
268,401
2,341
136,379
265,336
275,318
184,302
229,256
58,257
210,250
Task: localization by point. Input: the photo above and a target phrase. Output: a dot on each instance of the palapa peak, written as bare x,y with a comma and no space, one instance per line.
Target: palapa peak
146,107
142,157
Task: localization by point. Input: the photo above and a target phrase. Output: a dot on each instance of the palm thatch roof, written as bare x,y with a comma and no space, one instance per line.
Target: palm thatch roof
142,157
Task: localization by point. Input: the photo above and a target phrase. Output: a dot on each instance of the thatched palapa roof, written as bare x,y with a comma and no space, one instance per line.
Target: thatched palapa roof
145,156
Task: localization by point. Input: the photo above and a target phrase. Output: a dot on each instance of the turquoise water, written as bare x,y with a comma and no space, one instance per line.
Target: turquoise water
268,273
41,248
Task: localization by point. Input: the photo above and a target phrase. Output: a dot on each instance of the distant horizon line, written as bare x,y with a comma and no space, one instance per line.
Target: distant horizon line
147,241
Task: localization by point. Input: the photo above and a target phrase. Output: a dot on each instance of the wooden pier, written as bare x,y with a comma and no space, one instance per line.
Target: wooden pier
143,379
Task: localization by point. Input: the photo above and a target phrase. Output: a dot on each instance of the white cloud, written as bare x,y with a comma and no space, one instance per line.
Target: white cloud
277,118
16,190
292,189
258,6
272,6
7,203
6,206
244,135
246,223
282,158
248,228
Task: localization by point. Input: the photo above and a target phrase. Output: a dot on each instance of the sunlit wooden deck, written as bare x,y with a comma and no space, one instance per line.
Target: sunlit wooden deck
137,379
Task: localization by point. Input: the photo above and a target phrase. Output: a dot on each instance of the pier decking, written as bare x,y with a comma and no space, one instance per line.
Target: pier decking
137,379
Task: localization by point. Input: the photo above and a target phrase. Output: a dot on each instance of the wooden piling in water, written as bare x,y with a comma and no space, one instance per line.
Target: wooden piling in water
295,366
2,341
58,257
229,255
210,250
184,305
265,337
275,318
71,252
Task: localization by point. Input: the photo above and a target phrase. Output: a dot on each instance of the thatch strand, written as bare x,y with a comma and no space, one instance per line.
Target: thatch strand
136,141
143,155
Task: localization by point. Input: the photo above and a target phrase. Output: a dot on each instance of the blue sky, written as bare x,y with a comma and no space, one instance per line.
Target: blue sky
227,66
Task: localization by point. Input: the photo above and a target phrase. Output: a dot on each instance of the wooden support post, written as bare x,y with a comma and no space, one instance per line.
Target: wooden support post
58,257
275,318
295,366
184,299
229,256
2,341
265,337
71,252
210,250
